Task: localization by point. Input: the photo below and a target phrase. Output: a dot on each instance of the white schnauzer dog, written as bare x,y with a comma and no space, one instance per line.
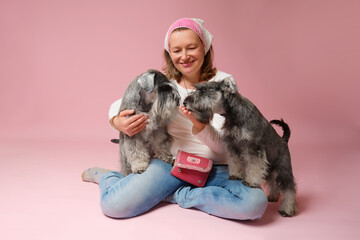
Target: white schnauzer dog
152,94
256,152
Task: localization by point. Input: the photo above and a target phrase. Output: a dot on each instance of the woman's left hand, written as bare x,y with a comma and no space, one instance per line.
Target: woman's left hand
196,124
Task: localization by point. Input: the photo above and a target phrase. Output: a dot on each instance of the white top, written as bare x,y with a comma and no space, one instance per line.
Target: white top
206,143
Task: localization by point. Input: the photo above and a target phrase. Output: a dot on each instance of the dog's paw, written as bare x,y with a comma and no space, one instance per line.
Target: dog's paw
233,177
251,185
168,158
139,168
286,213
246,183
288,210
170,161
252,181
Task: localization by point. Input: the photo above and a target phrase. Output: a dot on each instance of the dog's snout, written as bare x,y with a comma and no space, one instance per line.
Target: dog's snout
187,101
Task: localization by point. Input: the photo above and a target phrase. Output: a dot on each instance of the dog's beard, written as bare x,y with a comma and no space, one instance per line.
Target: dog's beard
164,110
203,116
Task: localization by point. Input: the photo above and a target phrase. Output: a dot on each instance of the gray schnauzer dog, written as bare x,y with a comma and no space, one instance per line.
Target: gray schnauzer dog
154,95
256,152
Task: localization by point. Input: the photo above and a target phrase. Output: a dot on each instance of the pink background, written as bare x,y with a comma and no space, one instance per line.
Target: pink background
62,63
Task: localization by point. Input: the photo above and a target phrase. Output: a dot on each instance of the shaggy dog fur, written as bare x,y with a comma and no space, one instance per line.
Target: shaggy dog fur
152,94
256,152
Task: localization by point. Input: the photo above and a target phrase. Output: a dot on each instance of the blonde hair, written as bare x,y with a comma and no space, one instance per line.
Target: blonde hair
207,69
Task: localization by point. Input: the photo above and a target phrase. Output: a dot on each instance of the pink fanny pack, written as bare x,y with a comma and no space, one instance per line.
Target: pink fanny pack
191,168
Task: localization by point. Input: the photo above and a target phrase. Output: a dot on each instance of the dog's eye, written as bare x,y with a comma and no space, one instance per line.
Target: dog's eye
202,89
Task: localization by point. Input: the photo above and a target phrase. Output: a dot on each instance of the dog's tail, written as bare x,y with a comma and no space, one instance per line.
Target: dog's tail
285,128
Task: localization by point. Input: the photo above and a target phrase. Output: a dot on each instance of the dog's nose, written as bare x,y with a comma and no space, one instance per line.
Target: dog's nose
184,103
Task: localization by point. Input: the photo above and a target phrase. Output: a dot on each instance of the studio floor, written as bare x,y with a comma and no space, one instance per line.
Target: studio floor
43,197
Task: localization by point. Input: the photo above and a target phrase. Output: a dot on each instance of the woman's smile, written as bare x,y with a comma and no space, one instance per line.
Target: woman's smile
187,64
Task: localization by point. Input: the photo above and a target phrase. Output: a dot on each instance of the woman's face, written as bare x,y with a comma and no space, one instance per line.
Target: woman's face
186,52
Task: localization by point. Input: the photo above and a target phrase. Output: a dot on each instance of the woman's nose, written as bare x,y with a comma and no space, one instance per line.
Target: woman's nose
184,54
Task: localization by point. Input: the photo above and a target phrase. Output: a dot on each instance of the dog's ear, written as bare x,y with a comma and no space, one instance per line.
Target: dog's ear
146,81
229,85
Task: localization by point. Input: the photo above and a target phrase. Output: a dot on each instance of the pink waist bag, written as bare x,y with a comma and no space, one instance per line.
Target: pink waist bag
191,168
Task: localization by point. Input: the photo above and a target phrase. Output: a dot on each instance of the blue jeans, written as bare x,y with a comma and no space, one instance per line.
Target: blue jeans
124,197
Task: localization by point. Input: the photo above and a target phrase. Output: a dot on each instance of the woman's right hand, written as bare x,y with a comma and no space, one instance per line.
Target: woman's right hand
129,125
197,126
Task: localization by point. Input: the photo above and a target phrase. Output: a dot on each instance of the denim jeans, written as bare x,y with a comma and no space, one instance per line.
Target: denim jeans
124,197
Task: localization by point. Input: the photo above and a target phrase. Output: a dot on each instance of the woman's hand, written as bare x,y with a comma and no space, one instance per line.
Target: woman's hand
129,125
198,126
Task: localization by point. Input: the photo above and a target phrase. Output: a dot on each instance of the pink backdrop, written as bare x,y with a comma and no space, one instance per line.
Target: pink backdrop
62,63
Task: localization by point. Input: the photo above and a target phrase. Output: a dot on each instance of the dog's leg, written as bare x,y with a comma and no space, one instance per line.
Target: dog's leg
236,160
137,153
162,146
257,166
124,166
288,203
236,167
272,187
285,181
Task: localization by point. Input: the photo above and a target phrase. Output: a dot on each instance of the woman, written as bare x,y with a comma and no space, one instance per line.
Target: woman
188,54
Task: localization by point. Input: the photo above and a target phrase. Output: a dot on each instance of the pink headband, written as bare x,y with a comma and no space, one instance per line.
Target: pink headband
194,24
